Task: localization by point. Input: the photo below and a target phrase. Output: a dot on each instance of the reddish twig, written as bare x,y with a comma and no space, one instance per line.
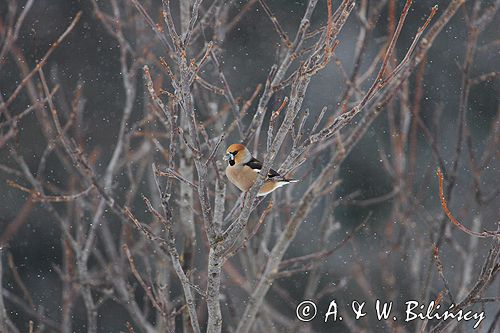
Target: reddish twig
484,234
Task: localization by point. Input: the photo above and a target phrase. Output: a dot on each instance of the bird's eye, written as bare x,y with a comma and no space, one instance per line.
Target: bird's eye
234,152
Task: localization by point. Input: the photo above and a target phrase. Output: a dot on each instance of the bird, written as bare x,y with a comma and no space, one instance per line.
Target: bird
243,169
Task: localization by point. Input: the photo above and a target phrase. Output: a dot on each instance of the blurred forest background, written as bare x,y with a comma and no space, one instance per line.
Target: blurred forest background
394,226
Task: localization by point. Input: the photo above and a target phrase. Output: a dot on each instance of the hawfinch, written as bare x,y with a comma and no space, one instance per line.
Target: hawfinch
243,169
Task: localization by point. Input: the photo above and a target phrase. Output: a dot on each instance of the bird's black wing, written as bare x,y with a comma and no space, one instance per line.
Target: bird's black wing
256,165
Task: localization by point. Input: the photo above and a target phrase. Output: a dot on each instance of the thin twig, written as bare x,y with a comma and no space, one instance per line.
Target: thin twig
484,234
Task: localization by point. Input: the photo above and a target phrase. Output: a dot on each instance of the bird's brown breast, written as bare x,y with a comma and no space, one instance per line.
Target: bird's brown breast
242,176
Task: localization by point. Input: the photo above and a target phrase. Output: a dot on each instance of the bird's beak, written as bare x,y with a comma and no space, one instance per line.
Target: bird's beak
228,157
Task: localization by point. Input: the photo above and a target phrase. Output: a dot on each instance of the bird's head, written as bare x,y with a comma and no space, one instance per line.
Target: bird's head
237,154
